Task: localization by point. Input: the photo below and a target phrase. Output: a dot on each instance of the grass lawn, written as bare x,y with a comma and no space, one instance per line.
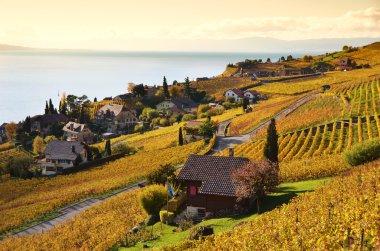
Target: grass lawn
284,193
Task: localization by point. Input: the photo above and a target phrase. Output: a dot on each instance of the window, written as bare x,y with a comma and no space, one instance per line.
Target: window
193,190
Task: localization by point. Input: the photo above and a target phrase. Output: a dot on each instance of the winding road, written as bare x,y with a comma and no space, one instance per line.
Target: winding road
222,142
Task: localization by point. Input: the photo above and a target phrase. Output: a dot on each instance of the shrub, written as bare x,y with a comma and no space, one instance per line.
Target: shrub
138,128
153,198
123,148
188,117
164,122
364,152
166,217
19,167
160,175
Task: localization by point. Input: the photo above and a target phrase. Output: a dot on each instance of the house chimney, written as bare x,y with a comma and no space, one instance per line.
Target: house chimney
73,149
230,151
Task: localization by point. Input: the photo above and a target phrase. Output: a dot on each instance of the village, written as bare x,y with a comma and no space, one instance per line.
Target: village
194,148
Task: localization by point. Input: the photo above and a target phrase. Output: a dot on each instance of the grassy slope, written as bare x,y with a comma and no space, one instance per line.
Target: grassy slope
285,192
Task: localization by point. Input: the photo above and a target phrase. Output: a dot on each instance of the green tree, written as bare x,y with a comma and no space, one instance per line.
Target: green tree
95,99
19,167
282,58
208,128
138,90
345,48
268,60
165,87
245,103
46,108
289,58
180,137
26,126
271,145
108,148
51,107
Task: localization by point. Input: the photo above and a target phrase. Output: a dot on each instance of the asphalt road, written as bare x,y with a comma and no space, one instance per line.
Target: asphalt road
222,142
70,211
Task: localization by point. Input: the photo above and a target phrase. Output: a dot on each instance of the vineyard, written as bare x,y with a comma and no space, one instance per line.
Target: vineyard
313,142
360,99
6,146
261,111
6,155
97,228
330,78
341,102
23,200
342,215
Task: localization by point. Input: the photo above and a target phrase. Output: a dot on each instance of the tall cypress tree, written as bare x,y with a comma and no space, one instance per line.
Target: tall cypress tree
271,145
166,89
180,137
46,108
108,148
186,90
51,107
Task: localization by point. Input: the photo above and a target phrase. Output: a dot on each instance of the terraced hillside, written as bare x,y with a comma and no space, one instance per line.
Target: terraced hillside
342,215
315,141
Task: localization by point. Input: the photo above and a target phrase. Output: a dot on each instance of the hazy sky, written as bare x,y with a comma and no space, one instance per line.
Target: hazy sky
124,24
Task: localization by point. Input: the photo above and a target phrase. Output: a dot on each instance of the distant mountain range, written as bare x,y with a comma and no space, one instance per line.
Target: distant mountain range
255,44
6,47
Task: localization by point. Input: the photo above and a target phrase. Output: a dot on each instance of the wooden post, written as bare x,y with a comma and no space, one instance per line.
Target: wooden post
362,240
348,238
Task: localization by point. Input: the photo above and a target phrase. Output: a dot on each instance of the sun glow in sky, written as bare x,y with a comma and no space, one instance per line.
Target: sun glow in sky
126,24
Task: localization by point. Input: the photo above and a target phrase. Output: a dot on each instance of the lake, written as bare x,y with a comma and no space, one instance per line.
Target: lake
28,78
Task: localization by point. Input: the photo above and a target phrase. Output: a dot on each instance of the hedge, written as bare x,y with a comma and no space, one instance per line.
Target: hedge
364,152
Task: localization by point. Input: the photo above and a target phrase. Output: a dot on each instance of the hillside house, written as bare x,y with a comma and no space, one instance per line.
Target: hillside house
44,123
344,64
178,105
252,95
237,94
78,132
60,155
116,118
210,187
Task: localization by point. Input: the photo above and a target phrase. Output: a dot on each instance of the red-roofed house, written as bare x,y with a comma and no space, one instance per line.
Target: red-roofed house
210,187
252,95
235,93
